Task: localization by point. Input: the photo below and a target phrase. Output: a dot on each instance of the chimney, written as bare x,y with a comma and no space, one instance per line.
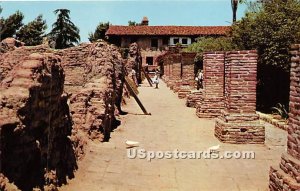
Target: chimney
145,21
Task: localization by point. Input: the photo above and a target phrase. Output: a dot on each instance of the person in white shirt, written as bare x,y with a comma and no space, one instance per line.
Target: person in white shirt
199,80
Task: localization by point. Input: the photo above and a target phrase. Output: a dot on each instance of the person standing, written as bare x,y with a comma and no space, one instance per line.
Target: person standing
199,80
156,80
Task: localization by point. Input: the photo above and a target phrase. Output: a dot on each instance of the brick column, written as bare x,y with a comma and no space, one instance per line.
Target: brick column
188,76
287,177
188,65
168,63
239,122
176,72
166,69
213,72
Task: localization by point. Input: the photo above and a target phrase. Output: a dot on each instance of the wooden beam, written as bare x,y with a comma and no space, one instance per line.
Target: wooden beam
147,77
131,91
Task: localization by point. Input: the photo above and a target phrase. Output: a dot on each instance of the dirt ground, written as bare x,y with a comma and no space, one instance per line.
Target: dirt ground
173,126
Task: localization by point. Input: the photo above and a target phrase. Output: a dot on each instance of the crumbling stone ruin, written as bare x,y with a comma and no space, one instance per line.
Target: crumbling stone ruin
286,176
51,103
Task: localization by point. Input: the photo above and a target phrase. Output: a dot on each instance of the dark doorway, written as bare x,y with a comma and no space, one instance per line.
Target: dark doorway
149,60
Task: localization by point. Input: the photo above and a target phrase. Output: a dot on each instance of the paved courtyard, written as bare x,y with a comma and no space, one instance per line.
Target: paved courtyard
173,126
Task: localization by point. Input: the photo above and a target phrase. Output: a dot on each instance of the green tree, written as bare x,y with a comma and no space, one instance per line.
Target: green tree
64,32
133,23
270,28
210,44
33,32
10,25
271,31
99,32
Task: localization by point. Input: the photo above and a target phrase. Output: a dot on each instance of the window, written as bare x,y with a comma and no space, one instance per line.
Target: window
175,40
165,41
149,60
184,41
154,43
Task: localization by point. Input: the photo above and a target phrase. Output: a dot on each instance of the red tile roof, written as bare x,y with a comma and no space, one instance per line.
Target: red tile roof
167,30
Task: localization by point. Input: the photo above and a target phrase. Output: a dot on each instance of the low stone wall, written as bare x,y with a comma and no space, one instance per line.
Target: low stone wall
286,177
196,96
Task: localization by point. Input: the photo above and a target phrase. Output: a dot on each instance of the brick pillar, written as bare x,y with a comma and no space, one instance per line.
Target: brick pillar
168,63
176,72
213,98
166,69
188,65
188,81
287,177
239,122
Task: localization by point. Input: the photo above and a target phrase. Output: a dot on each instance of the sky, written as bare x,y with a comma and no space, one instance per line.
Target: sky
86,15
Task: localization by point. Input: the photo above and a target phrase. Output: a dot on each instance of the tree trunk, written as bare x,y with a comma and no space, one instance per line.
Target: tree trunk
234,5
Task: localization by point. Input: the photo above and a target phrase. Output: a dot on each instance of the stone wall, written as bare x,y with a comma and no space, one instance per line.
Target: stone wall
213,95
238,122
287,177
35,123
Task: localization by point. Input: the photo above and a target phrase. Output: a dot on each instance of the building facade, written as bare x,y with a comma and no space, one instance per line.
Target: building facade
155,40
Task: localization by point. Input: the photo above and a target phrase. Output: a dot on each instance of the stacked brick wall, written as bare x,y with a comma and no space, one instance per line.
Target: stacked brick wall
239,122
287,177
213,100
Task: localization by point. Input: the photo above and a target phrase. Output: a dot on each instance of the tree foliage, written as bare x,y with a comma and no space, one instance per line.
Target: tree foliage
10,25
271,31
210,44
64,32
270,27
99,32
132,23
33,32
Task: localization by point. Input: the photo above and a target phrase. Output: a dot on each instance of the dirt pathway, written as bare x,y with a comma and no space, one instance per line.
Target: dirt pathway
173,126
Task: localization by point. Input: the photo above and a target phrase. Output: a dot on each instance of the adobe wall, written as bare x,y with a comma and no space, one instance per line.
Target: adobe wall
35,123
238,122
286,177
50,103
